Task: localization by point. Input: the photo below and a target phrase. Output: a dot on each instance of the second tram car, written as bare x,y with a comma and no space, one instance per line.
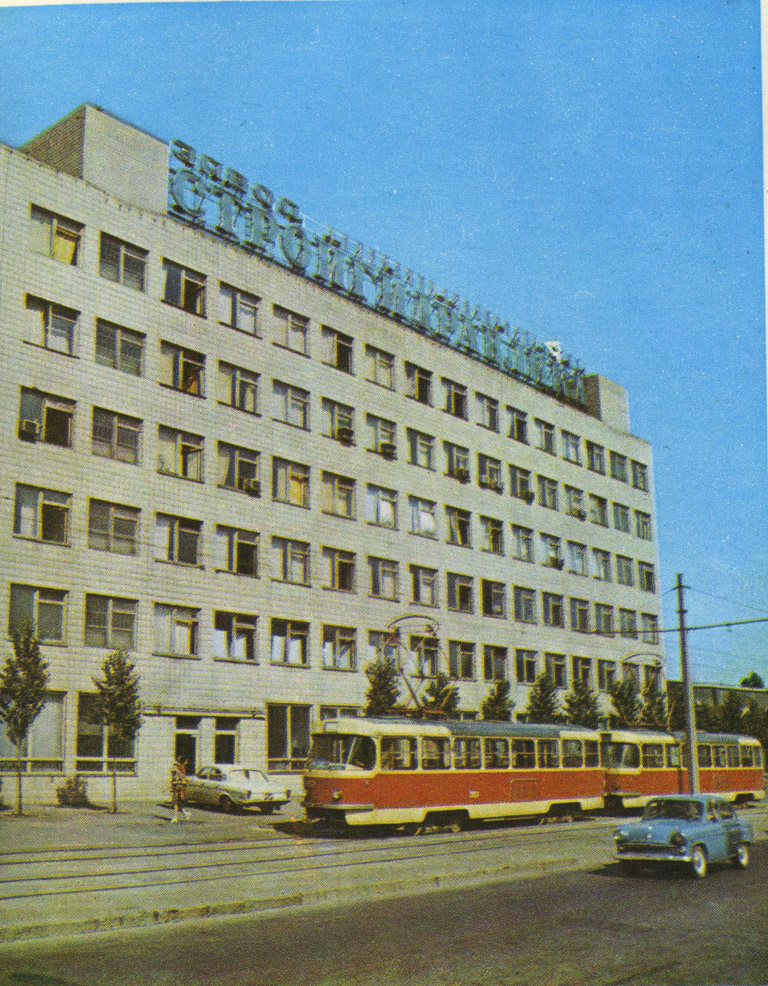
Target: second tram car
404,772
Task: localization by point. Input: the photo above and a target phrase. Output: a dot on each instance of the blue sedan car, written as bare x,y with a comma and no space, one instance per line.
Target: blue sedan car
694,830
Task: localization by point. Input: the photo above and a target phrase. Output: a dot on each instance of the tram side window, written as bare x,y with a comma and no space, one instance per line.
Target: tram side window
435,753
496,754
398,753
549,754
705,756
719,755
524,753
466,753
591,753
653,755
572,756
733,756
673,755
747,756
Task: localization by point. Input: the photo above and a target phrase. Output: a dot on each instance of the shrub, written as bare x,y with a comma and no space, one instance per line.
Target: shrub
73,792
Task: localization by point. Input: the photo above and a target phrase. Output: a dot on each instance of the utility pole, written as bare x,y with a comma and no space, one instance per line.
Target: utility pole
690,721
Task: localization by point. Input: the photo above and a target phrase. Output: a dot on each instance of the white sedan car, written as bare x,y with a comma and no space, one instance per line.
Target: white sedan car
232,786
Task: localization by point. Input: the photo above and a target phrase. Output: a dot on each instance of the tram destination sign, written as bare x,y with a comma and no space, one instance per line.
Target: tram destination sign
221,200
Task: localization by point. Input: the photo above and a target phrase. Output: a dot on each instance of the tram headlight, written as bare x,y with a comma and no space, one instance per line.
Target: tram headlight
336,796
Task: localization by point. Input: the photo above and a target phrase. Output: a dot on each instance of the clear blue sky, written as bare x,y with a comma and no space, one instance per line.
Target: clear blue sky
589,169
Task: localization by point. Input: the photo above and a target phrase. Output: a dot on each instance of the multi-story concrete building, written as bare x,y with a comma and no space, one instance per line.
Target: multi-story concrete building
240,451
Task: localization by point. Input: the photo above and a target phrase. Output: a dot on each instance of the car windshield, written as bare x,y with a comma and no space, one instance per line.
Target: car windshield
660,808
246,773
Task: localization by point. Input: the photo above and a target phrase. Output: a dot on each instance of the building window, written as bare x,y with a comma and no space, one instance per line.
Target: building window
618,466
42,515
339,648
340,569
518,425
640,476
520,484
455,398
52,326
40,609
237,388
571,447
384,578
649,628
423,585
457,462
604,619
598,510
176,630
381,645
54,236
546,433
596,458
181,369
381,506
577,558
460,592
110,622
645,576
580,615
122,262
338,421
179,454
458,527
494,663
115,436
113,527
606,674
96,749
382,436
238,469
494,598
337,349
525,605
291,404
177,539
574,502
487,412
555,666
290,482
120,348
525,666
624,570
289,642
42,749
643,525
461,660
489,473
602,564
582,670
550,544
621,517
422,516
628,623
234,636
522,543
424,653
236,551
493,535
552,609
291,561
547,492
225,739
418,382
338,495
185,736
45,418
287,736
421,449
291,330
238,309
183,288
380,367
338,712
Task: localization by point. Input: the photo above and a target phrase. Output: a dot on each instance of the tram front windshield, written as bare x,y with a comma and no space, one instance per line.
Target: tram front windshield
617,755
339,751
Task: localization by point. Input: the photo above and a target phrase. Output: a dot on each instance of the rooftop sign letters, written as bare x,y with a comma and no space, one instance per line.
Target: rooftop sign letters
206,194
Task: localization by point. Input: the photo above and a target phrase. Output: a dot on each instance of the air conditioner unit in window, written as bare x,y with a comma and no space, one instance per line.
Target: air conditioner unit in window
496,486
252,487
29,430
388,450
581,514
345,435
557,563
462,475
529,497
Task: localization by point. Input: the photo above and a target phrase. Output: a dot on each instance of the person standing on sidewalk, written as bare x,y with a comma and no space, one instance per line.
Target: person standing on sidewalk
179,788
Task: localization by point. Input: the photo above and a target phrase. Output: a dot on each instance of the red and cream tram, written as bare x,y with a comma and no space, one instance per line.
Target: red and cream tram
402,772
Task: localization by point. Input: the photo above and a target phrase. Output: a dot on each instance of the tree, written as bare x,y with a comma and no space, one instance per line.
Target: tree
497,705
654,712
441,695
383,686
542,701
626,701
23,682
752,680
117,708
581,708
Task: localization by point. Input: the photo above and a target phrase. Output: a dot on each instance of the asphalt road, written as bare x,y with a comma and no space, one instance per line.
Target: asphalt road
596,928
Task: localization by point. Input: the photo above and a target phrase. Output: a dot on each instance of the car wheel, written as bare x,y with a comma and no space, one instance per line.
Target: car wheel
699,862
226,803
741,859
266,809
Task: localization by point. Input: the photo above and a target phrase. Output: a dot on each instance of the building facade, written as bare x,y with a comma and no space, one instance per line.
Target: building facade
246,471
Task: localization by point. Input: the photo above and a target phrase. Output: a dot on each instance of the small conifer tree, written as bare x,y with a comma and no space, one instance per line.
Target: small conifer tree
654,712
626,701
441,695
117,708
542,701
383,686
497,705
581,708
